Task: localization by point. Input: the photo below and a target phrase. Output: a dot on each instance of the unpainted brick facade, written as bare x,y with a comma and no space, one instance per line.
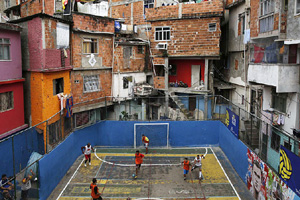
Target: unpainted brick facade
189,37
256,14
134,63
31,7
132,12
100,29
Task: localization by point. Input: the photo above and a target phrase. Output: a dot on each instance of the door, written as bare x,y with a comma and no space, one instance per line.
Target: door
253,102
192,103
196,75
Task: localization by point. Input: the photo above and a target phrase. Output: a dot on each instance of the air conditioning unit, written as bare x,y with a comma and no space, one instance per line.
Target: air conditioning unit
162,46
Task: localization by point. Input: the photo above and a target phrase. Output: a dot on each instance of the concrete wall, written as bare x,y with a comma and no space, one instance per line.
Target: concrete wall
284,77
12,69
118,90
293,22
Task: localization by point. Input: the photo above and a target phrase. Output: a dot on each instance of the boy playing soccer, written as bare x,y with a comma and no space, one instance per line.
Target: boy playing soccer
186,167
86,150
145,140
198,164
138,162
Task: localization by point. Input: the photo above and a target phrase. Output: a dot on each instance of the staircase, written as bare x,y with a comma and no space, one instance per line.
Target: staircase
251,137
181,106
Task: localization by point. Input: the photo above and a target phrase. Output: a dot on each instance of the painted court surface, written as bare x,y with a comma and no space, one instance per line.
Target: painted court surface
160,177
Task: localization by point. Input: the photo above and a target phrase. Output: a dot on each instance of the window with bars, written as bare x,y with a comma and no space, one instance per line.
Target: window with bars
212,27
266,22
91,83
4,49
140,49
6,101
162,33
90,45
7,3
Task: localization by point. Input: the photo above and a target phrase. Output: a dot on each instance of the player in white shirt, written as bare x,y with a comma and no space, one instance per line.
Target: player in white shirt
86,150
198,164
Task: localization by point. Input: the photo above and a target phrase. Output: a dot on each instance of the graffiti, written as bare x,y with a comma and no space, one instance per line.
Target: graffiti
263,183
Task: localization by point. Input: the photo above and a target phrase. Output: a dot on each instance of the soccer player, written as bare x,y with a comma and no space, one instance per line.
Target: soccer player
145,140
138,162
95,191
86,150
186,167
198,164
26,185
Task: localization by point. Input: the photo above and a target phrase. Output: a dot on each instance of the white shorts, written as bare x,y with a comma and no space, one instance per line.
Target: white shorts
146,145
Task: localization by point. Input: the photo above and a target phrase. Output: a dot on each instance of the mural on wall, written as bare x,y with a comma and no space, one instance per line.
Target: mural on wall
263,183
289,169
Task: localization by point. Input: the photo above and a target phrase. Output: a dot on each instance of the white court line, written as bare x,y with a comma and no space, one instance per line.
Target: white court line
225,174
70,179
133,165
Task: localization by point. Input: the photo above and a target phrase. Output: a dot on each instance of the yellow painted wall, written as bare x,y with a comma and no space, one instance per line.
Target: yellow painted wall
43,103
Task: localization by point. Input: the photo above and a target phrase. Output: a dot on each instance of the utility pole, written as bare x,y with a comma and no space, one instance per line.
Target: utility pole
167,85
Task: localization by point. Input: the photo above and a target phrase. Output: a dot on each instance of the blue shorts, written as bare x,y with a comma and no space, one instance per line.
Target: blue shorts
185,171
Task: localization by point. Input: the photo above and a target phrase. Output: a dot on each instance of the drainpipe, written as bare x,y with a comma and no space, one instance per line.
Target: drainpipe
43,11
245,71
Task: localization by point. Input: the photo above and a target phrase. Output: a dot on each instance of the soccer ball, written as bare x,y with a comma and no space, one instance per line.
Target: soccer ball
133,175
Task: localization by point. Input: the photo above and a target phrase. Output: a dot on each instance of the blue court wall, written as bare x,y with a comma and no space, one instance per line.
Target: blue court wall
24,144
235,150
55,165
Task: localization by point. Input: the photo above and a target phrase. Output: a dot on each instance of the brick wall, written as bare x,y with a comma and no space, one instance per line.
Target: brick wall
137,60
158,61
189,37
93,23
254,22
105,77
170,12
159,82
124,11
105,49
31,7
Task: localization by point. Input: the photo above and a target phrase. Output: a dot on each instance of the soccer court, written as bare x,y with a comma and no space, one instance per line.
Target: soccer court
160,177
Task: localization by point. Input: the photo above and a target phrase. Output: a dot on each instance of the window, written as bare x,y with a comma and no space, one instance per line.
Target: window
212,27
87,117
241,23
266,22
140,49
6,101
91,83
126,81
148,4
162,33
287,145
275,141
279,101
297,7
90,45
7,3
58,86
4,49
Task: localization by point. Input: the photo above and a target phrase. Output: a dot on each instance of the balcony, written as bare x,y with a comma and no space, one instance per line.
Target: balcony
285,77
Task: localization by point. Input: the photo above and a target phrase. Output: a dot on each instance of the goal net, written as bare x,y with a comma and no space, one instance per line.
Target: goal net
158,134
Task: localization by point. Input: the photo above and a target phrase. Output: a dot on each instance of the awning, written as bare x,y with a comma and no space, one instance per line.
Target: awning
291,42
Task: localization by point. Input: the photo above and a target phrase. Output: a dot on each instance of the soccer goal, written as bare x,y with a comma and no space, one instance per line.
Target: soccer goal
158,134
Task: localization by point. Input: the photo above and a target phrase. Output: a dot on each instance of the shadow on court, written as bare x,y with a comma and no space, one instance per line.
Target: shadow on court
160,177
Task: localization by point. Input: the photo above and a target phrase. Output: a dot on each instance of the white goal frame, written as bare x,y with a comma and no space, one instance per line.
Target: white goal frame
150,124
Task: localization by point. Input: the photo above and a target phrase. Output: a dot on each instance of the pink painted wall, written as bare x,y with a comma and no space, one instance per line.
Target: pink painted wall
35,43
43,58
184,70
13,118
12,69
